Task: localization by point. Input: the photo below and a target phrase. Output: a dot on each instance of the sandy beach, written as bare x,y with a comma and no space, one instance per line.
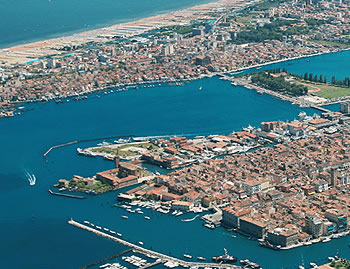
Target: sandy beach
24,53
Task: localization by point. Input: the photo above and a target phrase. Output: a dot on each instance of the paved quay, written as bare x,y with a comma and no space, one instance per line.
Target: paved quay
164,258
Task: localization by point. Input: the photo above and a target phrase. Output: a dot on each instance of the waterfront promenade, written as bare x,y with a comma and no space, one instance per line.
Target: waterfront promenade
164,258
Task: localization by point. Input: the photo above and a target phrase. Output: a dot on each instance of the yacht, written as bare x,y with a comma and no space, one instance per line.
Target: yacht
125,217
187,256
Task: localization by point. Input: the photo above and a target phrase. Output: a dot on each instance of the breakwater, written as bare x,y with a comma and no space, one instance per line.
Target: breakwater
147,252
82,141
66,195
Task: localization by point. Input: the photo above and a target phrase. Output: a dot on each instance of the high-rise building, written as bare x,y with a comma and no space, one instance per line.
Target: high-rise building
345,107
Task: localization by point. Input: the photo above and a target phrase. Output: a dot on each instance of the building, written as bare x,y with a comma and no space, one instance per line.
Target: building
320,185
328,227
231,218
253,227
181,206
283,237
340,218
203,60
345,107
313,226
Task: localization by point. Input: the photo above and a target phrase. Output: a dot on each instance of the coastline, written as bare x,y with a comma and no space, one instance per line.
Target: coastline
21,54
87,28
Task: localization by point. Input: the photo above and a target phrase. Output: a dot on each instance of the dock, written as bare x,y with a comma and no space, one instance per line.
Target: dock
162,257
66,195
106,259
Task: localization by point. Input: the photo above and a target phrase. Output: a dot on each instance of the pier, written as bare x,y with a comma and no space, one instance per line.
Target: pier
82,141
66,195
106,259
163,258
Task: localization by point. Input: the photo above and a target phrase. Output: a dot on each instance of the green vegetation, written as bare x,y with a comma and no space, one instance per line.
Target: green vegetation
265,5
321,79
277,83
270,31
343,263
332,43
123,151
98,187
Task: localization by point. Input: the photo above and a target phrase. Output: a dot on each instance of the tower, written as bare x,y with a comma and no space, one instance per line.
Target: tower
334,177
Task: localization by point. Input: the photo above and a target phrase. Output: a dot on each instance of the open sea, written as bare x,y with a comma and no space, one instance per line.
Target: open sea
33,224
24,21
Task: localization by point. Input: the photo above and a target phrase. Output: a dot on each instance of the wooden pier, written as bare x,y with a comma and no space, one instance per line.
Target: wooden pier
163,258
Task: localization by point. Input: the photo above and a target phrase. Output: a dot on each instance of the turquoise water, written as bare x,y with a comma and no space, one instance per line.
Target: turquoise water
33,225
24,21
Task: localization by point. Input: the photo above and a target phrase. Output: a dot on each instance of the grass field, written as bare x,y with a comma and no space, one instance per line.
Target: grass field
325,90
123,151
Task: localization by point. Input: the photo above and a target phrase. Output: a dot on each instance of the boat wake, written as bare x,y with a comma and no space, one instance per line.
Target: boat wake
31,178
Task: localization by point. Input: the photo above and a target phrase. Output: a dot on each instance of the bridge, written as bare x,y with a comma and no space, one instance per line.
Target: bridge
162,257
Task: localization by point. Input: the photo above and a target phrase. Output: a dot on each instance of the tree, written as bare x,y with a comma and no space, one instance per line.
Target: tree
333,80
310,76
321,79
325,79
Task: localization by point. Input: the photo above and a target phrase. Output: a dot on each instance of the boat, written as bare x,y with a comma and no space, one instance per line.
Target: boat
107,230
313,265
147,217
86,222
301,267
141,243
244,262
112,232
201,258
119,234
125,217
224,258
99,227
200,88
187,256
209,226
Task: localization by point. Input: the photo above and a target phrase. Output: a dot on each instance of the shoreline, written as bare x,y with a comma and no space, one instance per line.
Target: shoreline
111,23
21,54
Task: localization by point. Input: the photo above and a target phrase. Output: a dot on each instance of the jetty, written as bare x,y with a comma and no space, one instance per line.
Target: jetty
161,257
106,259
66,195
82,141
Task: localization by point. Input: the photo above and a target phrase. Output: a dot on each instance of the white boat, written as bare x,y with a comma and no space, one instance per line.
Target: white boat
125,217
141,243
201,258
187,256
200,88
313,265
119,234
99,227
112,232
147,217
86,222
107,230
